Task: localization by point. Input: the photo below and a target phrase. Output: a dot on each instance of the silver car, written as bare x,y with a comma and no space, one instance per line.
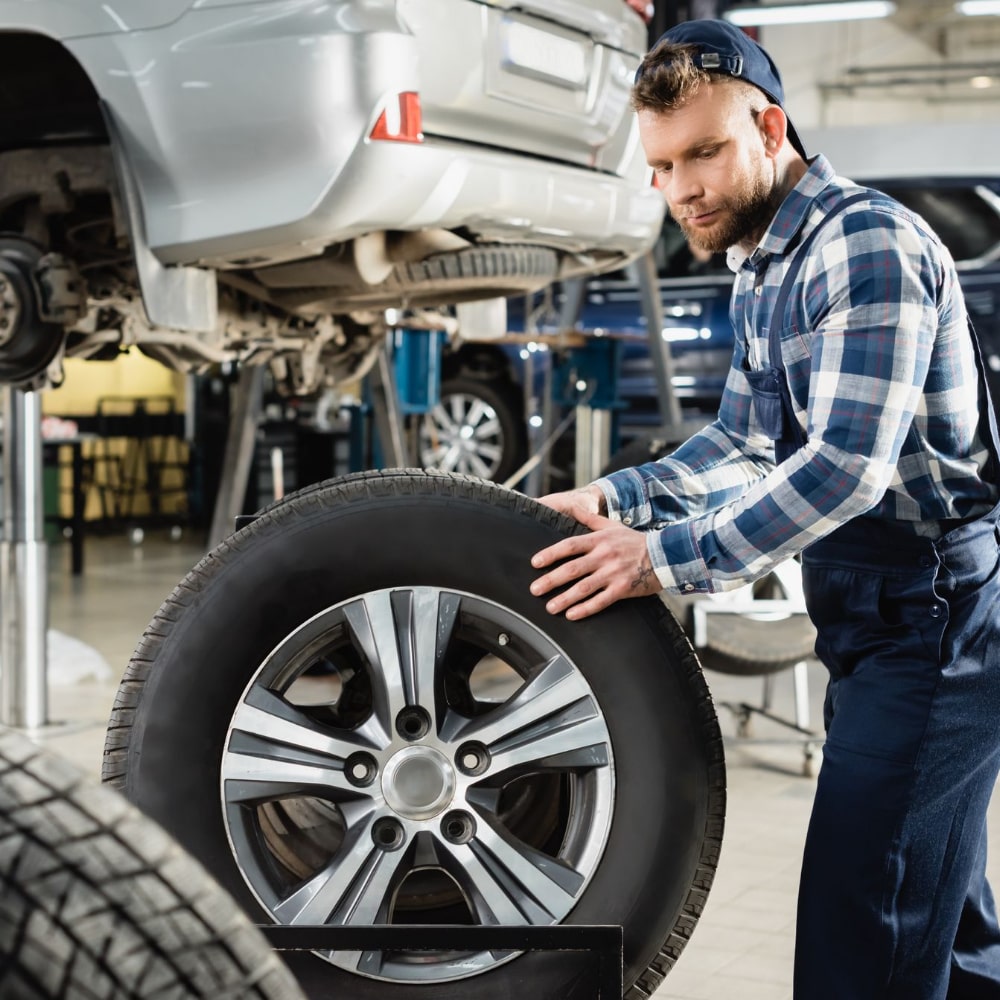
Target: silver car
223,180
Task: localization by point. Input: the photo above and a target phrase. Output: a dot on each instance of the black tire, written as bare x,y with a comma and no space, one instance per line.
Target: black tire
744,644
473,273
344,552
757,644
476,429
97,901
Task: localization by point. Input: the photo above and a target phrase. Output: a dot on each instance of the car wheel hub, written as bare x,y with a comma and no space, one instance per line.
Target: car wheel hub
418,782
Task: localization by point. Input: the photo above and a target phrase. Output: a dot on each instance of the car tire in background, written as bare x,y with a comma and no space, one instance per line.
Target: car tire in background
464,758
97,901
747,643
477,428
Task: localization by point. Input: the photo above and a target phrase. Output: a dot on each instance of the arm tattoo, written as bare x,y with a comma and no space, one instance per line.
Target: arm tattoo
642,577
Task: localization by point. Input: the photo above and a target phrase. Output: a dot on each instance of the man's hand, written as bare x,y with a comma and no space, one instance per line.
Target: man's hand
610,563
585,500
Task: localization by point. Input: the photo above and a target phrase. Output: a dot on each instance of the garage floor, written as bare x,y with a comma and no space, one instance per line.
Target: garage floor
743,944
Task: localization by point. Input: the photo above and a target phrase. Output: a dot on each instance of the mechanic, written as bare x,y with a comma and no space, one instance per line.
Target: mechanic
855,429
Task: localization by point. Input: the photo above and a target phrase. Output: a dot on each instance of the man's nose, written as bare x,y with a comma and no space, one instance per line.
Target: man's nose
682,187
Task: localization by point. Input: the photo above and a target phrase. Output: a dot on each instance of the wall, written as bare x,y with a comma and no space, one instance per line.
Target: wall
120,471
913,67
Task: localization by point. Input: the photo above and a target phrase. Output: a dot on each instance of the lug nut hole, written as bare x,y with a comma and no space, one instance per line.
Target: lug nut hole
388,834
472,758
360,769
413,723
458,827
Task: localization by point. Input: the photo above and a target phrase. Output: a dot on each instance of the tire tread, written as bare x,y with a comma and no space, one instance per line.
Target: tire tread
97,901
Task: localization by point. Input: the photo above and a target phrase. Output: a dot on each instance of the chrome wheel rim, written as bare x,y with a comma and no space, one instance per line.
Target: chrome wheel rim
450,765
462,434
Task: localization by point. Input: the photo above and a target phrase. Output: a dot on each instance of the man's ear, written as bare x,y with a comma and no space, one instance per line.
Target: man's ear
774,127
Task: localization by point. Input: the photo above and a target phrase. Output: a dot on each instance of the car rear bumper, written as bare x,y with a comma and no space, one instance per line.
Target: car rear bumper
486,193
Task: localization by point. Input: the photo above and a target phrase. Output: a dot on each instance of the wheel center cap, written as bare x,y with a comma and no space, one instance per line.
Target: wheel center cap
418,782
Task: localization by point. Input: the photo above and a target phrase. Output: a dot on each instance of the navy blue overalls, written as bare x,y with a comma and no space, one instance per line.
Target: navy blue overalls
893,901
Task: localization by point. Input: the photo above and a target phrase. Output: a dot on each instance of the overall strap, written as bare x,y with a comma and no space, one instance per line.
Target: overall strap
775,324
989,432
788,283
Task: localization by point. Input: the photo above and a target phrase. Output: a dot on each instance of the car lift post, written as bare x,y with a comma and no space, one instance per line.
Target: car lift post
594,418
24,609
241,440
659,349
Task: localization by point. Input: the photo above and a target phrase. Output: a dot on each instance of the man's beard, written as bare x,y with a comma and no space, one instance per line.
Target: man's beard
747,213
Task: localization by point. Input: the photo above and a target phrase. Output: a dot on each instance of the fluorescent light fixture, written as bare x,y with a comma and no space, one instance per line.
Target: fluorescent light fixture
811,13
977,8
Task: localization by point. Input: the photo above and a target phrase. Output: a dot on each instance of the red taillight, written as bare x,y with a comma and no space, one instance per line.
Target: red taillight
644,8
400,121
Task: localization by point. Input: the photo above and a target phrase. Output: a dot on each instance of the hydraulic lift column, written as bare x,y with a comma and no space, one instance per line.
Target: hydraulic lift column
23,566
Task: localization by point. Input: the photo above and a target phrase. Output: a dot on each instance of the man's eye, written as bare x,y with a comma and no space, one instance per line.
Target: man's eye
707,154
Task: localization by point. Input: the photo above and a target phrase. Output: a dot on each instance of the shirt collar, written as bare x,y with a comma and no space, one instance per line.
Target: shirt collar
791,215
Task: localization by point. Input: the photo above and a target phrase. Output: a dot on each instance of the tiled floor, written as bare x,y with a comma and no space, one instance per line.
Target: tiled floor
742,947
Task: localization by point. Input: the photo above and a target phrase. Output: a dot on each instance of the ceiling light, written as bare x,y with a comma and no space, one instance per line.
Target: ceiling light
811,13
974,8
981,82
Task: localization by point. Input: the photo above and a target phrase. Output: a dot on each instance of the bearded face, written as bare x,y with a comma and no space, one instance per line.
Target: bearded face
716,165
730,218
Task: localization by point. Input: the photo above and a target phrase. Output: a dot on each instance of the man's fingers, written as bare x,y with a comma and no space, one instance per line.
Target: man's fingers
565,573
582,589
565,549
594,521
598,602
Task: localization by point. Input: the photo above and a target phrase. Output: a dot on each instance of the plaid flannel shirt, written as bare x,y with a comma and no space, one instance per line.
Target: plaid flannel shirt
883,377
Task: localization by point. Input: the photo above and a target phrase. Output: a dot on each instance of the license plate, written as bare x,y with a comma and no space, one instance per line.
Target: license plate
540,53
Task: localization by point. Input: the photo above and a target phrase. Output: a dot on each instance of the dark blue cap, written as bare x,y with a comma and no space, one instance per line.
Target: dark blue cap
724,48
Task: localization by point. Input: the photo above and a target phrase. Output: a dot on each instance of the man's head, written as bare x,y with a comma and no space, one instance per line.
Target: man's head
710,118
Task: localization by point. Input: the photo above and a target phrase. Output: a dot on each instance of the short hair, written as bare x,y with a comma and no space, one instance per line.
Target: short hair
668,77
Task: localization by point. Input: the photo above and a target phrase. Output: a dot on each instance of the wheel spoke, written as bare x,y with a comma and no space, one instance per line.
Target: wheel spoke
534,877
275,752
489,451
487,429
268,716
452,459
555,688
491,902
478,413
476,466
577,741
447,423
348,889
401,634
253,777
458,410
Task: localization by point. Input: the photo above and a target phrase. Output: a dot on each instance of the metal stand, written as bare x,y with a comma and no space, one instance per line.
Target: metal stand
659,349
387,413
605,941
744,712
593,443
809,739
240,443
24,609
